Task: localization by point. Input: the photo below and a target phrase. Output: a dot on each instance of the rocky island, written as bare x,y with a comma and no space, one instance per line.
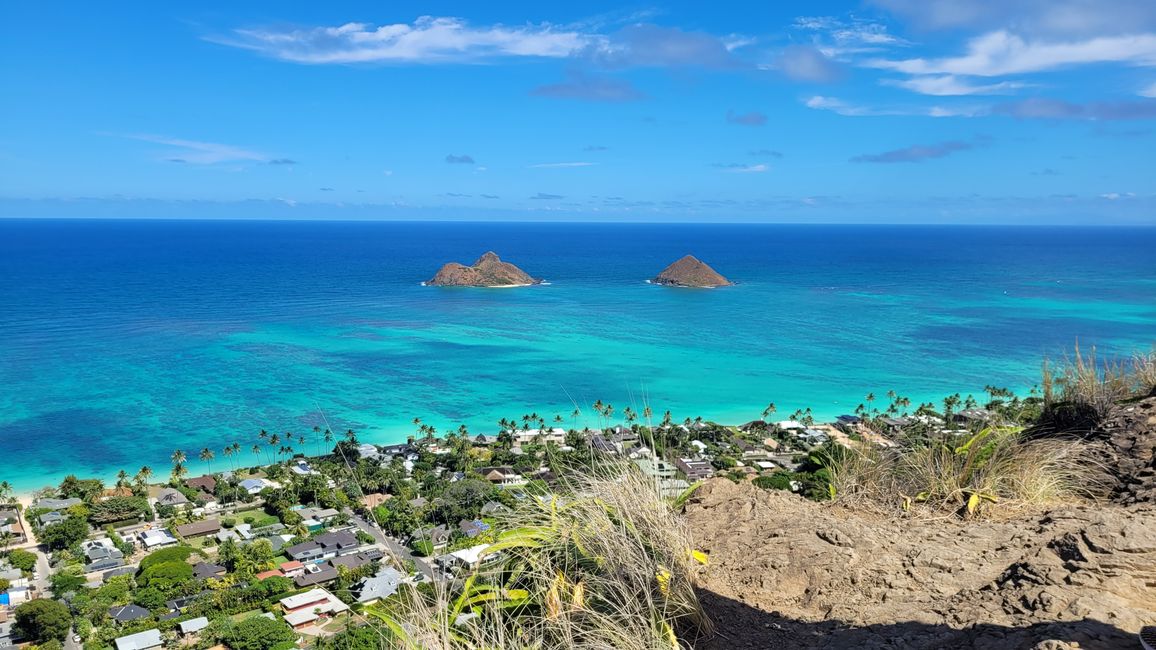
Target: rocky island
488,271
690,272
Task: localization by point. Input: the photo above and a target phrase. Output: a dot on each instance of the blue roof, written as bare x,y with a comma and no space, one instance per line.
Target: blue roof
4,600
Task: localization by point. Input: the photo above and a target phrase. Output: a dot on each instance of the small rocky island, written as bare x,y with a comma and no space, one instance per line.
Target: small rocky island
488,271
690,272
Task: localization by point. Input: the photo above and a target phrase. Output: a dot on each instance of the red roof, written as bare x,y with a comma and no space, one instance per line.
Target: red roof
264,575
291,565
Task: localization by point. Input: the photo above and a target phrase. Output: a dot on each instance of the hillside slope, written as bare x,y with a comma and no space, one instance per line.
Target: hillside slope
790,573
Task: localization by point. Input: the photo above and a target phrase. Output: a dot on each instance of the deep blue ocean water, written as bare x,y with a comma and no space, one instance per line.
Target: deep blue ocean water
123,340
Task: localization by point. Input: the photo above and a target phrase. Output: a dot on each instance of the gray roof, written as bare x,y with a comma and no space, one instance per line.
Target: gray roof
139,641
125,613
171,497
58,504
194,625
382,585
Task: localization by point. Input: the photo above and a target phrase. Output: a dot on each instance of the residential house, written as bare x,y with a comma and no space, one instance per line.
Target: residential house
601,444
178,604
11,526
657,467
377,587
301,468
848,420
813,436
119,571
439,536
199,528
57,504
207,483
973,416
505,476
128,613
255,485
303,610
193,626
316,574
369,452
556,435
272,573
790,425
171,497
147,640
493,508
102,555
324,546
205,570
695,470
116,492
157,538
49,518
466,558
372,501
292,569
473,528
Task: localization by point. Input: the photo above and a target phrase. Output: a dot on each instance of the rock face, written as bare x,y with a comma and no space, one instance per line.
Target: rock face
488,271
1130,433
690,272
785,572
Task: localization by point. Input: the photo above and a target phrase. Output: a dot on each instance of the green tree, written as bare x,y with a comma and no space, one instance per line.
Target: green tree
21,559
258,633
65,534
166,575
43,620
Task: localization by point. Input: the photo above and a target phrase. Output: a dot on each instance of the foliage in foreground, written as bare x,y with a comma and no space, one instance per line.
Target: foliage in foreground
968,473
607,568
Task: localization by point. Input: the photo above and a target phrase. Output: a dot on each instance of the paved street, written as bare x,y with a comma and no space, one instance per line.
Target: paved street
395,549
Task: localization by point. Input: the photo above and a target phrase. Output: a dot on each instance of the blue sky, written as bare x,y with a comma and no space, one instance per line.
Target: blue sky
892,111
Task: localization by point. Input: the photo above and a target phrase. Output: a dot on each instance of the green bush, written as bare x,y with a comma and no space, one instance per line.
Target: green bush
259,633
171,554
23,560
166,575
776,481
423,548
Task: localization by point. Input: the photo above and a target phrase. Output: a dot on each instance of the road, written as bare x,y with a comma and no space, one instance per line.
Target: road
395,549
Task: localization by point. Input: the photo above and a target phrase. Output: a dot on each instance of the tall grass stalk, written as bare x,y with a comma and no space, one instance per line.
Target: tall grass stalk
1085,380
607,568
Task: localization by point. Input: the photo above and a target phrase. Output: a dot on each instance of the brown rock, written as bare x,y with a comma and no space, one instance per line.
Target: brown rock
488,271
690,272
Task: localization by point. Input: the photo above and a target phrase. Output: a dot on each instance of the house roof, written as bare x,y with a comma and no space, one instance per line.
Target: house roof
194,625
139,641
58,504
171,497
379,586
207,483
197,528
265,575
128,612
292,565
204,570
319,577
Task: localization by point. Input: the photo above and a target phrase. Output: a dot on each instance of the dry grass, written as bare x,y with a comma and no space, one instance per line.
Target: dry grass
1085,380
608,568
996,470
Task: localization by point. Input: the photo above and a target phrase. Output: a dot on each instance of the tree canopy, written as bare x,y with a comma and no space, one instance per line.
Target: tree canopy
43,620
258,633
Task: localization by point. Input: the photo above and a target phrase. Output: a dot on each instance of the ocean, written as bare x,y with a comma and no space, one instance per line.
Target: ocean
121,341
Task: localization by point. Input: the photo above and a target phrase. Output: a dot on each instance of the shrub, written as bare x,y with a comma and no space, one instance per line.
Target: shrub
171,554
776,481
21,559
166,575
258,633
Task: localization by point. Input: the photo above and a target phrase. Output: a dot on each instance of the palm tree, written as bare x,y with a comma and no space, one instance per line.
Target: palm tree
228,452
121,479
179,471
6,494
769,411
207,456
178,457
257,452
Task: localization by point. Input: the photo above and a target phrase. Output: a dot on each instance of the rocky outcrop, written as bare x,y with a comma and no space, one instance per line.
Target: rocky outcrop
1130,433
488,271
785,572
690,272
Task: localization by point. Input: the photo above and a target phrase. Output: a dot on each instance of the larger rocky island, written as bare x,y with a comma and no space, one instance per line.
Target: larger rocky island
690,272
488,271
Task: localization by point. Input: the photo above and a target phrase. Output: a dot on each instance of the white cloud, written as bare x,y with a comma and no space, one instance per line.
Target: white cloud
1116,196
840,107
837,37
1150,91
1003,53
748,169
562,164
950,85
427,40
200,153
1056,17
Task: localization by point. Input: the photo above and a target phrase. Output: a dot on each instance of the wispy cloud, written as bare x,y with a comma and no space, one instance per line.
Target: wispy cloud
282,161
840,107
839,37
542,196
328,189
557,165
463,159
426,40
457,195
754,118
489,196
1055,109
951,85
1116,196
765,153
595,147
588,87
914,153
807,63
644,45
1047,17
1001,53
195,152
742,168
1150,91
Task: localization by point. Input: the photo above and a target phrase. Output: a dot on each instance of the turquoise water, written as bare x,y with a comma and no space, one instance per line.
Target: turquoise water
121,341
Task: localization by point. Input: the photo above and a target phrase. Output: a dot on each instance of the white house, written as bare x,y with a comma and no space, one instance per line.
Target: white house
157,538
146,640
